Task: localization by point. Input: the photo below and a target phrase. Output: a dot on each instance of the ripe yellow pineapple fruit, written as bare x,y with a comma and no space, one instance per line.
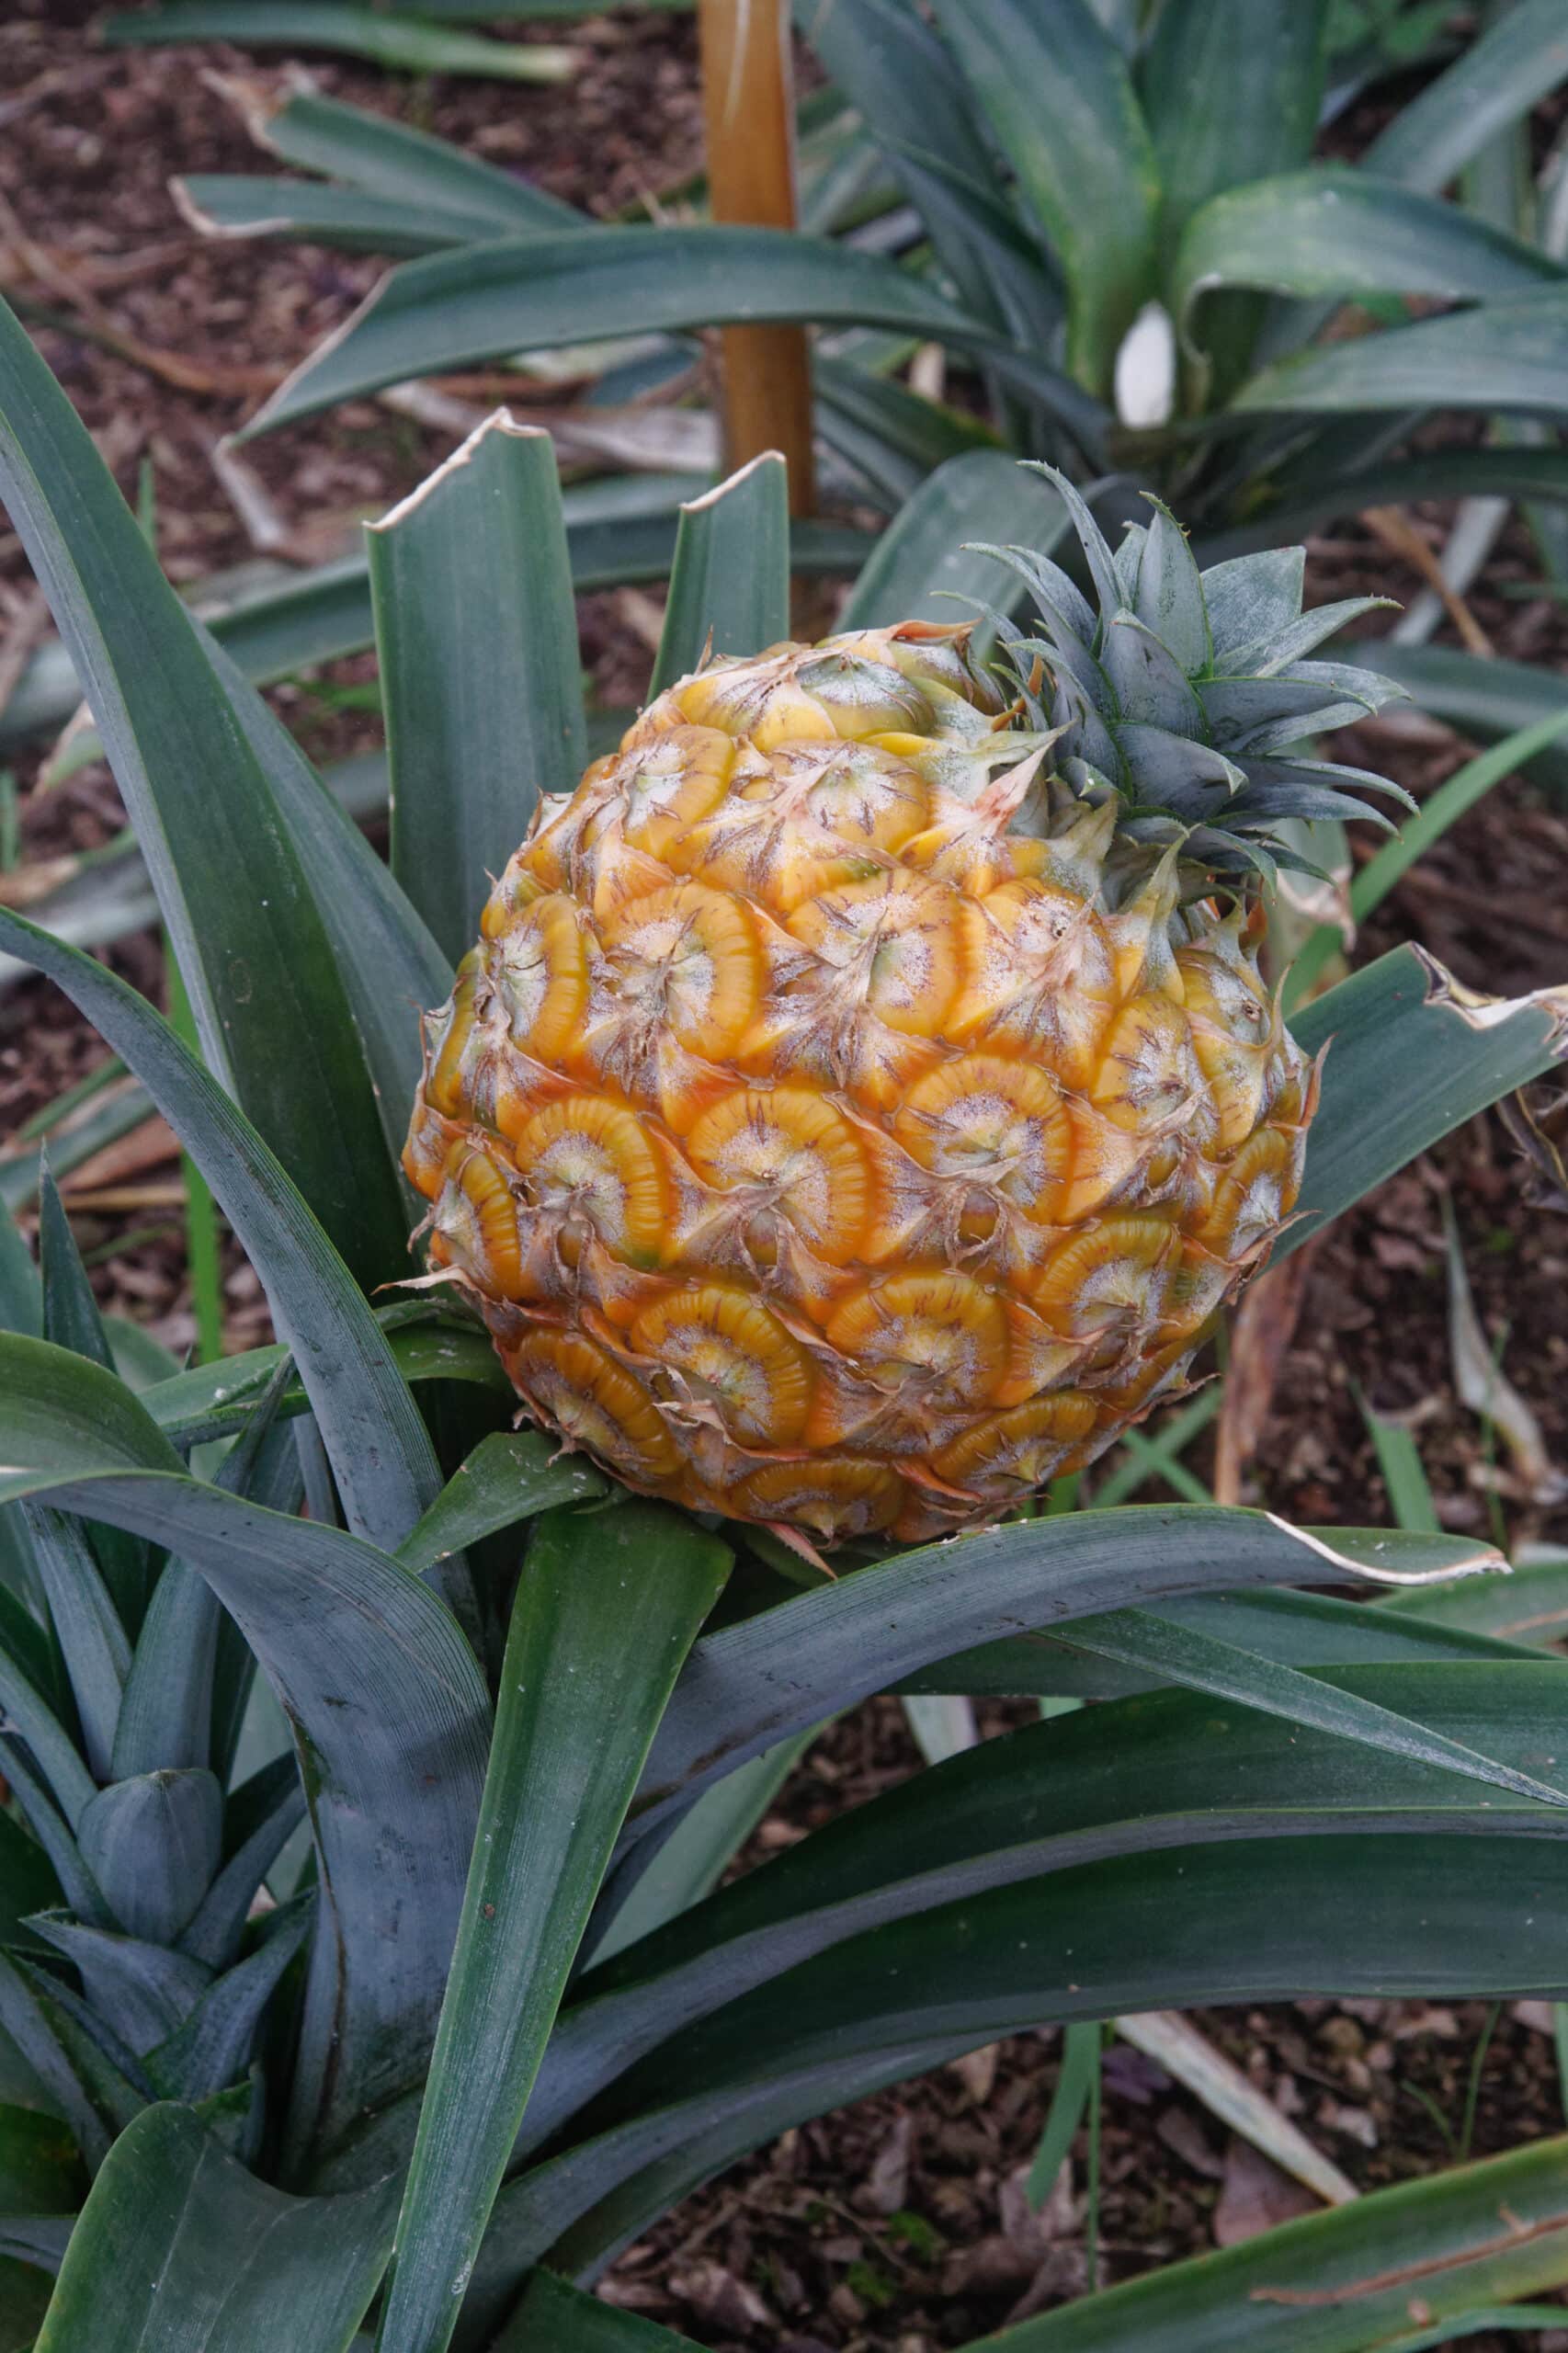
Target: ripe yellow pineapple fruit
864,1093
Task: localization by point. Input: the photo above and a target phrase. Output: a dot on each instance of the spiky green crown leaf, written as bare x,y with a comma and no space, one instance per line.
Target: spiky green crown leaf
1190,693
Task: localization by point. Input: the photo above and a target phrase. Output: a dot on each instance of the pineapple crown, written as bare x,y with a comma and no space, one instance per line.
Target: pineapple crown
1188,693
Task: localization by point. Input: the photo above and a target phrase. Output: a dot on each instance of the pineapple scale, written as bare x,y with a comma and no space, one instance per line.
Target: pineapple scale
821,1150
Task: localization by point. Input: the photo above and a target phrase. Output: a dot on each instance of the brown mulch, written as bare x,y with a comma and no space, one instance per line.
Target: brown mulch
898,2226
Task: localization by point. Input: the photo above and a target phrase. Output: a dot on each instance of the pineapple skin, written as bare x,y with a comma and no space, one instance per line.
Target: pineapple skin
822,1152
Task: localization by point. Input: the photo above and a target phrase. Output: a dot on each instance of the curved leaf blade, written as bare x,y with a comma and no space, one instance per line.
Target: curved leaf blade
1056,91
381,1452
537,294
1142,1774
1332,230
730,580
480,674
270,1005
1355,2269
1521,57
750,1686
388,1706
174,2225
1412,1055
605,1612
1511,357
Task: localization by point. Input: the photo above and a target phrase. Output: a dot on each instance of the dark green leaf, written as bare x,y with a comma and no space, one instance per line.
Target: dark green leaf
1254,1920
1346,2281
1332,231
145,1990
605,1613
1521,57
211,2047
386,158
537,294
269,1003
380,1453
751,1685
551,2313
921,568
510,1476
730,580
214,1934
1158,1646
174,2227
387,1707
1412,1056
480,674
1137,1777
395,40
1056,92
92,1639
1512,357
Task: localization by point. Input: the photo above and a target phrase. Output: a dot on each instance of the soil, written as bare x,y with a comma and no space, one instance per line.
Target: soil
900,2224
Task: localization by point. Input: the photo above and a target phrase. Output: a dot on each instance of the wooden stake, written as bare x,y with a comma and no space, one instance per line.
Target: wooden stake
749,114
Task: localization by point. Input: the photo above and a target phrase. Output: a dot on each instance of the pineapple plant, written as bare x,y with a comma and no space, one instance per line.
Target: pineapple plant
864,1093
507,2014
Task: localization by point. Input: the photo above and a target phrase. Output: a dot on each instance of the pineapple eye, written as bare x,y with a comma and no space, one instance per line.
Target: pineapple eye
1150,1070
994,1124
540,967
794,1160
687,958
585,1163
833,1495
866,698
1107,1284
899,940
475,1222
1022,1448
735,1356
670,782
1255,1194
942,1335
575,1387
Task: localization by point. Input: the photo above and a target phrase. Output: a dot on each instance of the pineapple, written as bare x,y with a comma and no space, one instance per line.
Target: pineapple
864,1093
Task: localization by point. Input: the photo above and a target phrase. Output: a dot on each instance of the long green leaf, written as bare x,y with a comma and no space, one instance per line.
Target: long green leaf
1253,1920
1381,2272
1139,1776
1511,357
1057,93
1332,231
252,204
550,2313
381,1452
1154,1645
270,1004
387,1706
605,1613
177,2235
1267,58
1515,471
480,674
409,167
730,580
510,1476
921,568
1412,1056
387,40
1520,58
535,293
751,1685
